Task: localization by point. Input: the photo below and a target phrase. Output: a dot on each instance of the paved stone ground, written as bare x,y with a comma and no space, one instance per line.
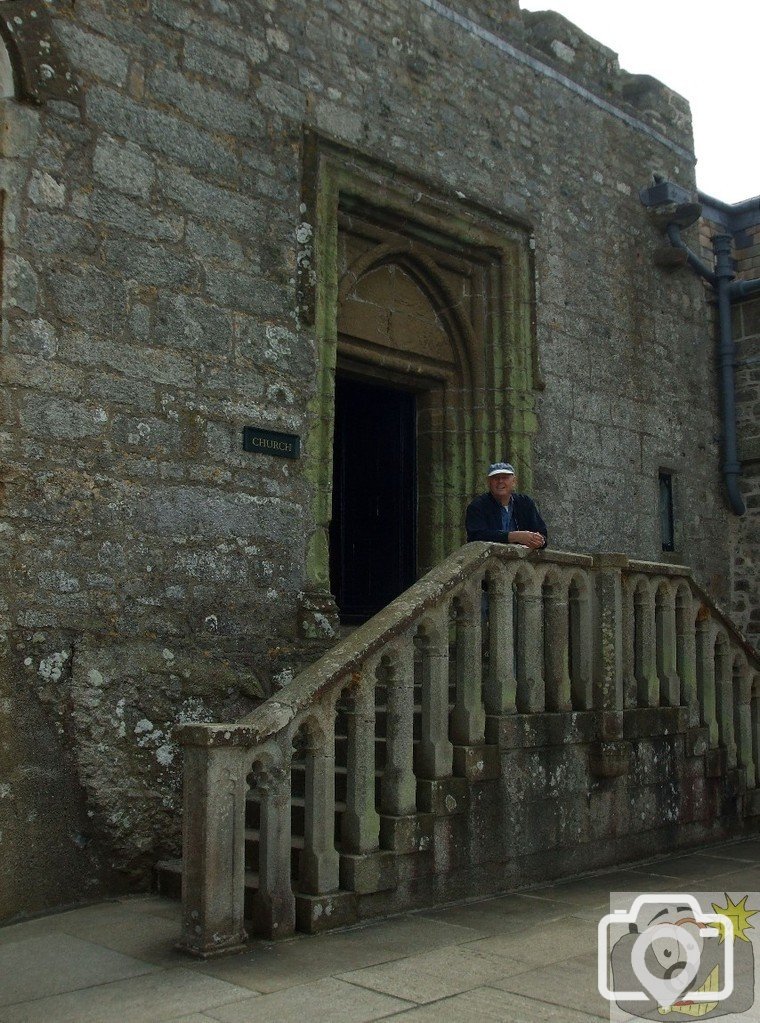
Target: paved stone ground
518,958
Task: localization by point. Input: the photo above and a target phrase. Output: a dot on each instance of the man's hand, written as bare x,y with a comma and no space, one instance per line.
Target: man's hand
533,540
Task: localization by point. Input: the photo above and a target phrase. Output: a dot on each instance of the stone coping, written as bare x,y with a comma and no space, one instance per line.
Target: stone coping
657,568
344,663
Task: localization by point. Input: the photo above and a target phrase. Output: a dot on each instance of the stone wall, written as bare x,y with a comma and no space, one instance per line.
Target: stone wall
153,224
743,222
746,604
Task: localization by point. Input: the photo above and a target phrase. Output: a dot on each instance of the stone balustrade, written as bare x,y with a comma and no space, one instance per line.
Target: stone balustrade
492,648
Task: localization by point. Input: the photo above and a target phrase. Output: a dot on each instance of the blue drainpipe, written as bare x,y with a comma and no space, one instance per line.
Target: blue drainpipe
727,289
724,275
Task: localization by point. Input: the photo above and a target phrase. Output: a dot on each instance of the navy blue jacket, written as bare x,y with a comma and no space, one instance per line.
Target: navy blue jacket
483,519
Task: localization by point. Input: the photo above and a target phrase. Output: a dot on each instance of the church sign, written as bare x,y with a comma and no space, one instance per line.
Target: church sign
269,442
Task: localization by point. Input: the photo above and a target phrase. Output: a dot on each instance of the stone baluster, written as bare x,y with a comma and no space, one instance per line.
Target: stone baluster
706,677
500,684
468,717
686,647
273,908
613,631
319,863
647,683
213,844
398,790
581,645
557,643
743,722
665,635
630,686
435,751
531,698
724,699
360,823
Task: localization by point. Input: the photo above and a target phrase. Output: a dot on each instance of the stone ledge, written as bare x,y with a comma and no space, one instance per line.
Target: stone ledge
653,722
409,834
526,731
477,763
658,568
315,913
368,872
443,797
609,759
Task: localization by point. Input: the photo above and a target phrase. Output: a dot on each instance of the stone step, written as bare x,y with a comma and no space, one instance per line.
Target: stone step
169,879
252,837
310,909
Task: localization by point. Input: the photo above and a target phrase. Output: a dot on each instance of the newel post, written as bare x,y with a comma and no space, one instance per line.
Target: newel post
273,909
608,632
557,642
610,756
500,684
213,840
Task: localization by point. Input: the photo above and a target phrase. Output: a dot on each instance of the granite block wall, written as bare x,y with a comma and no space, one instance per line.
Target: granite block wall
742,222
746,604
152,210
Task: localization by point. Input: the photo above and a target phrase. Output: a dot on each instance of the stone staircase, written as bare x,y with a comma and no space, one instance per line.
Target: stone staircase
170,872
510,717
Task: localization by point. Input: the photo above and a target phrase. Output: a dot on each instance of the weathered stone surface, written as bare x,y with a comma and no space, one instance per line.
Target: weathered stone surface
371,872
123,166
60,235
315,913
88,298
41,69
157,253
96,55
443,796
746,588
183,322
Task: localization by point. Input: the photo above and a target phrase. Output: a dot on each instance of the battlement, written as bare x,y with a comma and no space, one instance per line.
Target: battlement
567,50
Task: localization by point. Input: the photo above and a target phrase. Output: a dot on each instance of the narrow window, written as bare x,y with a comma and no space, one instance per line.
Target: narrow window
666,511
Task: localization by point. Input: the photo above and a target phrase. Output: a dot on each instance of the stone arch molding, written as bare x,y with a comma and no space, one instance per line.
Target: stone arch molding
475,383
33,64
432,352
424,273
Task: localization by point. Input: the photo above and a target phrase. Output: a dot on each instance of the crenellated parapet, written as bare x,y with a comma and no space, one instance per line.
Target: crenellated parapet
564,51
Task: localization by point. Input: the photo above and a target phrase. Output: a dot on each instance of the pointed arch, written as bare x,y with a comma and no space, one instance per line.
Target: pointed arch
34,65
425,275
7,77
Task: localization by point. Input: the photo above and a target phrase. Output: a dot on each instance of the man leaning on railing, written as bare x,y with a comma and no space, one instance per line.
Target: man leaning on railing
504,516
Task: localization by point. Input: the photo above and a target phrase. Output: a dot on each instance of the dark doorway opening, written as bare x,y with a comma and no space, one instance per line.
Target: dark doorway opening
373,535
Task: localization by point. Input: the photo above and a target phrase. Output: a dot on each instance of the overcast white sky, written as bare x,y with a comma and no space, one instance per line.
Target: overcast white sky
707,51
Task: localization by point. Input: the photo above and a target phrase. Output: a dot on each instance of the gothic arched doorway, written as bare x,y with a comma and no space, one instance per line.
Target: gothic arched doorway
403,377
429,302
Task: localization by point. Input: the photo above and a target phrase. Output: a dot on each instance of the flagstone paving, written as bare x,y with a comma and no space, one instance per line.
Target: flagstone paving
520,958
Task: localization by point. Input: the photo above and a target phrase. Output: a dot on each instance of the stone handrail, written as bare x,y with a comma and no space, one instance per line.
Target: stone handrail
533,634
